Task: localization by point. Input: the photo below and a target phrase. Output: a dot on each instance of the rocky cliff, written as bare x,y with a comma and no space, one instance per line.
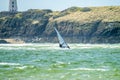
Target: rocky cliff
81,25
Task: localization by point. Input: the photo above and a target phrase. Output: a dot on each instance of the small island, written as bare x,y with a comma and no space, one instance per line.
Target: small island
76,25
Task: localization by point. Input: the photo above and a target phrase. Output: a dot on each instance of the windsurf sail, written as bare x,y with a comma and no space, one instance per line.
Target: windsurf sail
62,43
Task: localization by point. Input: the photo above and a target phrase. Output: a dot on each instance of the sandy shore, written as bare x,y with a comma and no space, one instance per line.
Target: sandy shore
13,41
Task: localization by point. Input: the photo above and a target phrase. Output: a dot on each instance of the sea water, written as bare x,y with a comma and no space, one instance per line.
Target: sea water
49,62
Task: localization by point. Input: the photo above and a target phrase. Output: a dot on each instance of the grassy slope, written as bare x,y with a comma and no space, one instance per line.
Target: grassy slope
107,14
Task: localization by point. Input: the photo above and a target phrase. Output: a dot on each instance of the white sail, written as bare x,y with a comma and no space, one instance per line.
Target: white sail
62,43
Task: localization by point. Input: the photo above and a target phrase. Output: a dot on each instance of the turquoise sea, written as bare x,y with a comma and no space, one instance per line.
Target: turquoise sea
49,62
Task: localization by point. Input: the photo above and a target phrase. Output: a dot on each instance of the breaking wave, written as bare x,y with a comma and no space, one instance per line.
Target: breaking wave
54,46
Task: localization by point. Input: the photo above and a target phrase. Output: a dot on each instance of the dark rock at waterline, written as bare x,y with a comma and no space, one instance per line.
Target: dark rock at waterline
3,42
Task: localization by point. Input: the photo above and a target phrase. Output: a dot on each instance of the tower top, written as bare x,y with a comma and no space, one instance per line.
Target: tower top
13,6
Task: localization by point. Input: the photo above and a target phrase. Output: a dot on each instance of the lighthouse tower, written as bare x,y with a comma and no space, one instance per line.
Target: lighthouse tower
13,6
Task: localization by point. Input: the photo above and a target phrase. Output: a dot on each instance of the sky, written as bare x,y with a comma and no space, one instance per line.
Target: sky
57,5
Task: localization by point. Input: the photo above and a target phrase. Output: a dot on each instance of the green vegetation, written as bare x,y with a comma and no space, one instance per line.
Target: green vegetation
106,14
85,25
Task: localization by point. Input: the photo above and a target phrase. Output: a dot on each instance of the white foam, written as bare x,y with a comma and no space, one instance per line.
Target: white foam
54,46
60,62
89,69
12,64
87,46
28,46
22,67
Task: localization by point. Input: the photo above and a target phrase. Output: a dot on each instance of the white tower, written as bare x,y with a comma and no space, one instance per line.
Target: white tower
13,6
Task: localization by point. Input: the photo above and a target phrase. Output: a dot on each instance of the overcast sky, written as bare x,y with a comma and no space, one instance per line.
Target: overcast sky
24,5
